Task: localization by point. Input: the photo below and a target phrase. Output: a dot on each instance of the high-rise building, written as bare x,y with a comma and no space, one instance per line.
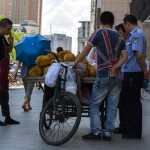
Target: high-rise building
20,10
83,34
60,40
119,8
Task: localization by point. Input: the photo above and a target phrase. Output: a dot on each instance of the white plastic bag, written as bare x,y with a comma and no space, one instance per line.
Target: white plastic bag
52,74
70,85
92,56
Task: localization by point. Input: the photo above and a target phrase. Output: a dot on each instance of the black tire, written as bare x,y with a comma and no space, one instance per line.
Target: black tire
57,127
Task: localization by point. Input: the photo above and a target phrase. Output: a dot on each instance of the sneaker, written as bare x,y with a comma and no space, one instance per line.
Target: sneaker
107,137
2,123
92,136
9,120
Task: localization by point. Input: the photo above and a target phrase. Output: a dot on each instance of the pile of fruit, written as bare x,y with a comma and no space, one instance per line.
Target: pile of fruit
44,61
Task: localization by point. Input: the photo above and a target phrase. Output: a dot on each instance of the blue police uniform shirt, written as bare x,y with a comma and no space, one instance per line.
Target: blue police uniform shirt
135,42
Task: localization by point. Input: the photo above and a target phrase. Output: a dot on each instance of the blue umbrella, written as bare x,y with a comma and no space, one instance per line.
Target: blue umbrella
30,47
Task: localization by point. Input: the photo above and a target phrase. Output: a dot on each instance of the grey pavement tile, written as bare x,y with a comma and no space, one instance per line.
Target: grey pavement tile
146,148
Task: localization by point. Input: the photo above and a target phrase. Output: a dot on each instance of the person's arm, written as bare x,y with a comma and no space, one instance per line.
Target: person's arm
11,42
83,54
121,61
141,60
16,69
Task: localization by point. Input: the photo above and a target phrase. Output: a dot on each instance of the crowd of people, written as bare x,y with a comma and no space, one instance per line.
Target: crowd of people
121,69
120,57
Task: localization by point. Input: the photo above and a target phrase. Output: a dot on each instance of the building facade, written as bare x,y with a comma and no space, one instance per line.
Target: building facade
60,40
119,8
83,34
31,26
20,10
146,28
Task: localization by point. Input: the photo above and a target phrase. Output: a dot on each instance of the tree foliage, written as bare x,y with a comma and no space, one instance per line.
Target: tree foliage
17,37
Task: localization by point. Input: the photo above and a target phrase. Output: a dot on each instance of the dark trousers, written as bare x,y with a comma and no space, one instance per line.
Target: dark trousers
130,106
4,101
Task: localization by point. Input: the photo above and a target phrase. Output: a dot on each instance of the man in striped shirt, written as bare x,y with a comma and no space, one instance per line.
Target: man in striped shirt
111,55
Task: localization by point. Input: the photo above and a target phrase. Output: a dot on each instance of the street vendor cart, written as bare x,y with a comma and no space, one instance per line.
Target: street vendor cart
62,111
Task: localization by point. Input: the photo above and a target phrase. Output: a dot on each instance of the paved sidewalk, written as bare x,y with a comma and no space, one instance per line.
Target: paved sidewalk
26,135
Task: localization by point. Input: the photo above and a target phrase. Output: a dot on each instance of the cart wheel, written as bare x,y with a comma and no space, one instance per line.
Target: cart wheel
57,126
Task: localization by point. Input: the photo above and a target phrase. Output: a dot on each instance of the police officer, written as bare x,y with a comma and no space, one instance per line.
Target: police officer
134,70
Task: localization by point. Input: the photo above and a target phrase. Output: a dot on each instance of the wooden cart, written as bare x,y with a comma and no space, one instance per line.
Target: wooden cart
85,82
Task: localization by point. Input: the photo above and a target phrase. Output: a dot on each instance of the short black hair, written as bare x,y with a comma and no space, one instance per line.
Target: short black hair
120,26
131,19
59,49
107,18
5,21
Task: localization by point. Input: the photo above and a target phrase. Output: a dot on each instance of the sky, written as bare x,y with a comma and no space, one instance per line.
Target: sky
63,16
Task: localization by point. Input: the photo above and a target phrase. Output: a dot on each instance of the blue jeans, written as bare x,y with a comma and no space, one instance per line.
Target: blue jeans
102,88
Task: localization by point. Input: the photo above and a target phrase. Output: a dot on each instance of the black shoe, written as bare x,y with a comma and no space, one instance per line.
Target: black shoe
9,120
2,123
117,130
106,138
91,136
130,136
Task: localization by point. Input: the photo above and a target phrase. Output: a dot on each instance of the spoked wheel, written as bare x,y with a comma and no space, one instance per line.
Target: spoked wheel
57,126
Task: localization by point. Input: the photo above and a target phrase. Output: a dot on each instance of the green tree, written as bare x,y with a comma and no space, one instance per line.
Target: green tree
1,17
17,37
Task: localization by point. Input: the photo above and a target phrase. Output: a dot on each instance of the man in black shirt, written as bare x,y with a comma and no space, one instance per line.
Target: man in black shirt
5,49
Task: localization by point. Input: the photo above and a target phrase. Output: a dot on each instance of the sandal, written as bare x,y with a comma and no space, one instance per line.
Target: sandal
24,106
29,106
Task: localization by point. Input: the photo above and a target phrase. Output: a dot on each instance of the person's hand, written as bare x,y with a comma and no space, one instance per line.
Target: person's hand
147,75
112,73
10,38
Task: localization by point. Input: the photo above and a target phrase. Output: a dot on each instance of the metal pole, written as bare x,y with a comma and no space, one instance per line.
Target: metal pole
40,15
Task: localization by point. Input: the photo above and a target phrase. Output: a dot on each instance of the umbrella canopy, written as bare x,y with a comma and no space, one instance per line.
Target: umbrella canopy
30,47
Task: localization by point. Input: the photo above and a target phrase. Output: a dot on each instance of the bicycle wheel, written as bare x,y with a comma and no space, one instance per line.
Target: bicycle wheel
56,127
